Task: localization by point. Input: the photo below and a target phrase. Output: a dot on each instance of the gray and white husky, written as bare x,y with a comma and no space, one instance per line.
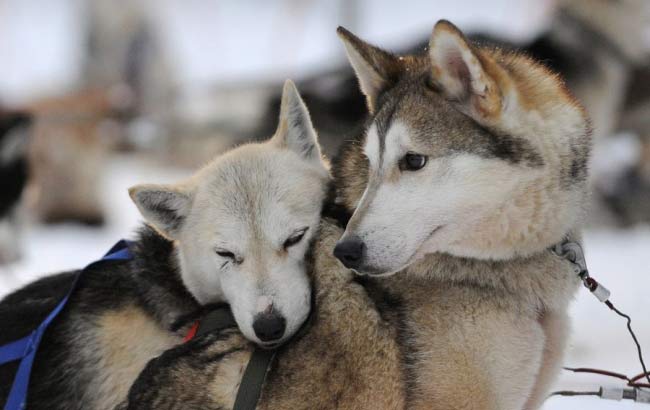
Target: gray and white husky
243,223
236,232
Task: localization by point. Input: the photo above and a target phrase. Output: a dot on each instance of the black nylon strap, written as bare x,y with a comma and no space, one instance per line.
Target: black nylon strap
253,378
216,320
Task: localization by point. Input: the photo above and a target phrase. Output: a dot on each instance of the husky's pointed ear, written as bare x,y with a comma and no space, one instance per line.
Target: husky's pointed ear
295,130
376,69
459,72
164,207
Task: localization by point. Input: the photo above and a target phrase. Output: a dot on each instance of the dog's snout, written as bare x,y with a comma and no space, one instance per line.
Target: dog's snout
269,326
350,252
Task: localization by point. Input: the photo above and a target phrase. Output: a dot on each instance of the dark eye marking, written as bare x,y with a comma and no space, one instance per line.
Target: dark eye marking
295,238
412,162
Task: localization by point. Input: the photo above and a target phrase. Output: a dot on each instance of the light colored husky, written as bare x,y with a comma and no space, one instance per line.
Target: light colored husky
243,223
473,165
238,232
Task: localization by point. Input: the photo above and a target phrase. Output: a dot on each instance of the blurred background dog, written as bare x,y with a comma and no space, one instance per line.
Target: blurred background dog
14,173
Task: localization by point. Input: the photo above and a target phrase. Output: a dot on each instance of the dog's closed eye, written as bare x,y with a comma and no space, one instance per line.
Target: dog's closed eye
295,237
224,253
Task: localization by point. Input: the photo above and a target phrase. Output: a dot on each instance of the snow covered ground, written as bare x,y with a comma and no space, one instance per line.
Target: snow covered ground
619,259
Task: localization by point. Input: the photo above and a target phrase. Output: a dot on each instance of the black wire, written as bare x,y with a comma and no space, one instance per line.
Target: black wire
636,341
575,393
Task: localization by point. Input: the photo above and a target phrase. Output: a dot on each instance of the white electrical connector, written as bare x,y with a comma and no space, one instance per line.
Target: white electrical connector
642,396
601,293
612,393
637,394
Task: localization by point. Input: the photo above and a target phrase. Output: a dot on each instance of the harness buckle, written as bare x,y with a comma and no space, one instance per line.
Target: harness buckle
572,251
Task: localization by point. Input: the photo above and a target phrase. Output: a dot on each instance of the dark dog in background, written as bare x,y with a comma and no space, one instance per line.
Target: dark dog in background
14,141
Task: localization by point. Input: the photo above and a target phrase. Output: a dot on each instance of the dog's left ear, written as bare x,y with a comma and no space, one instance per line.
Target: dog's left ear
295,130
458,70
165,207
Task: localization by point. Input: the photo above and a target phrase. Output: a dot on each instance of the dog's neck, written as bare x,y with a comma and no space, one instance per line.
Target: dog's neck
160,286
544,279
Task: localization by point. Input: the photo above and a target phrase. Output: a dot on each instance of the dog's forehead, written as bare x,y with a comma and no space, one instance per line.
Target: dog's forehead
411,117
250,192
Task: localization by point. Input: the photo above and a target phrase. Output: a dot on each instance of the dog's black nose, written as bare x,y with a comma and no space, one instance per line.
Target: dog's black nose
350,252
269,327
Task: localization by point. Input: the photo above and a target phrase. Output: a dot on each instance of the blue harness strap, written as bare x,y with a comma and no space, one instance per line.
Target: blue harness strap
25,349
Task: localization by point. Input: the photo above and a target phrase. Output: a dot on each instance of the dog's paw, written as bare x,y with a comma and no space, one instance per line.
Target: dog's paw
203,373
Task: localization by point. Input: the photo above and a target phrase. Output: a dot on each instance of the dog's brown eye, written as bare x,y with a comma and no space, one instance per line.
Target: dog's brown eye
295,238
413,162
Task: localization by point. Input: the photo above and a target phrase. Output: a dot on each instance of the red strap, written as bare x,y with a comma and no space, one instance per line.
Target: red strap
190,335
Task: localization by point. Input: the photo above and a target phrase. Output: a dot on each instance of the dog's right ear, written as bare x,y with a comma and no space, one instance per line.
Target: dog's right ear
295,130
164,207
376,69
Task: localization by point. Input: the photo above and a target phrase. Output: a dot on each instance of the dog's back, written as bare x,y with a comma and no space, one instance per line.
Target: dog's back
121,315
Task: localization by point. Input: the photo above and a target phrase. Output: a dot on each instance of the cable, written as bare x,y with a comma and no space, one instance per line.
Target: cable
636,341
597,371
572,251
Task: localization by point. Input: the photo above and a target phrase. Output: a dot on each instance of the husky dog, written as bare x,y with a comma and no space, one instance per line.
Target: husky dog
236,232
14,141
475,164
348,359
472,165
243,223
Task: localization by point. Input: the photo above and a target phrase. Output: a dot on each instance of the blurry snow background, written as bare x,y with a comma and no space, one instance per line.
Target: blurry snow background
215,42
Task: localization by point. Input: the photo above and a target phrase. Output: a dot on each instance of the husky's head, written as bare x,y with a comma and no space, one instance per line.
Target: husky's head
14,141
472,152
242,225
